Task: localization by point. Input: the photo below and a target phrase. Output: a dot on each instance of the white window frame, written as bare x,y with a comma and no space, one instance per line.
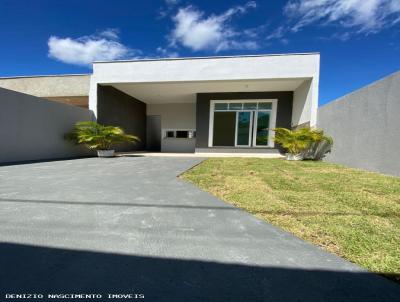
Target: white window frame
272,121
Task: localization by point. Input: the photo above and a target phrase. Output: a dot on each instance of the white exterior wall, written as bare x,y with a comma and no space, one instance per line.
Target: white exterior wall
175,117
93,95
208,69
296,66
305,103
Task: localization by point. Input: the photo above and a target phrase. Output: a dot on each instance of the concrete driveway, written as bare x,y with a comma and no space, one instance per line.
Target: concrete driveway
130,226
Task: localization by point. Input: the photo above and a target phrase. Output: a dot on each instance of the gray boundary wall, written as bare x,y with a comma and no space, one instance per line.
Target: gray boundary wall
365,126
32,128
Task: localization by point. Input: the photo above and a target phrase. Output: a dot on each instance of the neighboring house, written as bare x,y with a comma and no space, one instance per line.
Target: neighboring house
208,104
365,126
67,89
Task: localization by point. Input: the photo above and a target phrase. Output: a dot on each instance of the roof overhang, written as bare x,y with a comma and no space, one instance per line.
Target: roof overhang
208,69
184,92
178,80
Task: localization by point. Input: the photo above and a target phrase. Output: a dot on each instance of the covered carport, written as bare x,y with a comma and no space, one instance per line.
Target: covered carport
168,102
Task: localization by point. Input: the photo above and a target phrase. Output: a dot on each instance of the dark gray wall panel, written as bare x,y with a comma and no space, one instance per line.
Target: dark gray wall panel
283,118
33,128
365,126
202,120
153,133
115,107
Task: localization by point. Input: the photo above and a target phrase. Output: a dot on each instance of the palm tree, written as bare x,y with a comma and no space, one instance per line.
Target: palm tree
299,143
99,137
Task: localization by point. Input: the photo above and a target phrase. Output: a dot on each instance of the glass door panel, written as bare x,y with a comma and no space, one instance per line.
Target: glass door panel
262,125
243,128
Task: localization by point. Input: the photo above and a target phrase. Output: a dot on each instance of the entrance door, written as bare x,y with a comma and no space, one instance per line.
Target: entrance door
153,133
241,128
242,123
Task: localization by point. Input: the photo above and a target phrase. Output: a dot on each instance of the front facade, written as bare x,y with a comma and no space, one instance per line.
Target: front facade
209,104
213,104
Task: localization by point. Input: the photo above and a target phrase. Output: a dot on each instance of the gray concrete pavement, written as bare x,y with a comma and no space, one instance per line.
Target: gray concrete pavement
129,225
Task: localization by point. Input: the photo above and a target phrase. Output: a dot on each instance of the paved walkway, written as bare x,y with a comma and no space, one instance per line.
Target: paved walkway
128,225
201,154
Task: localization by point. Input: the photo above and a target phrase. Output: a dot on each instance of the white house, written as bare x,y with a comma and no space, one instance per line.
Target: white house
207,103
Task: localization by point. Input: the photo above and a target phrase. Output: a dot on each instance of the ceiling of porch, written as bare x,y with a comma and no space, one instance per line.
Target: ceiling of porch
185,92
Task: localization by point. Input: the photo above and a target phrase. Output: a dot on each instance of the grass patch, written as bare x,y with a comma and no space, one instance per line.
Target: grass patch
352,213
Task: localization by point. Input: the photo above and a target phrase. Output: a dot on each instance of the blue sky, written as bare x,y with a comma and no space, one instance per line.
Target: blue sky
359,40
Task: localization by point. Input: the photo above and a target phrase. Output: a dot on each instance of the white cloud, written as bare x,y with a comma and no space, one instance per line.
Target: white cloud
110,33
167,53
278,33
199,32
85,50
364,16
172,2
169,7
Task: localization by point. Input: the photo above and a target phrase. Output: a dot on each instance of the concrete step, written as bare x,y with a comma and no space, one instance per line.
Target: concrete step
237,150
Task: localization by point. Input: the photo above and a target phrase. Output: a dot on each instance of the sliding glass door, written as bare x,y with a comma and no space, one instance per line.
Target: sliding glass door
243,123
261,128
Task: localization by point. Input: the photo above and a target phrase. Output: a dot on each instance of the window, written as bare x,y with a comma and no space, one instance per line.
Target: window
182,134
264,106
250,106
235,106
242,123
221,106
170,134
179,133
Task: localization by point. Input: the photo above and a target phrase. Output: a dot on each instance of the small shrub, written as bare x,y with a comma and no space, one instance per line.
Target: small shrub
304,143
99,137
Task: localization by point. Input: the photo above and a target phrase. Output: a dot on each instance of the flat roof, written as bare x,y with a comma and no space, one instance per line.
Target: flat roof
210,57
162,59
49,75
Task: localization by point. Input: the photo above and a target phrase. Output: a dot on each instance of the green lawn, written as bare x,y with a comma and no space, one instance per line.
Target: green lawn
352,213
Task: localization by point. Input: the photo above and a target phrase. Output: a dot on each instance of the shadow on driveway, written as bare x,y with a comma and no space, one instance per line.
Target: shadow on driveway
33,269
119,204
